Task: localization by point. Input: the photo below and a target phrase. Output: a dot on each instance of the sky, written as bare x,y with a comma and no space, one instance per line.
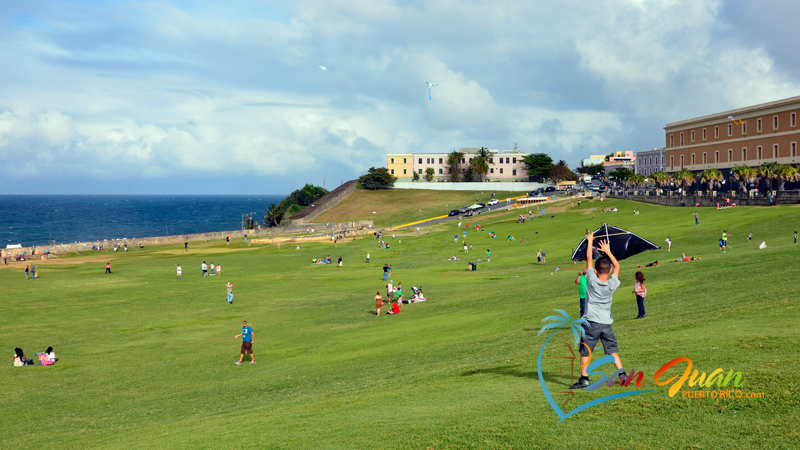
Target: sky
200,97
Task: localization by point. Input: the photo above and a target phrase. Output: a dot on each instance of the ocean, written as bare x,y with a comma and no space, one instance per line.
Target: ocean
39,219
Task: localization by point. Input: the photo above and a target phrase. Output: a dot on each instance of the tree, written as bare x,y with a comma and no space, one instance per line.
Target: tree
592,169
562,173
429,173
661,179
454,164
711,177
416,176
621,174
480,164
561,162
377,178
744,175
637,180
768,171
538,165
786,173
273,216
685,178
293,203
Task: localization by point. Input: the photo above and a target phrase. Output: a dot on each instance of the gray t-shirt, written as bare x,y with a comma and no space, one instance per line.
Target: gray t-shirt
598,297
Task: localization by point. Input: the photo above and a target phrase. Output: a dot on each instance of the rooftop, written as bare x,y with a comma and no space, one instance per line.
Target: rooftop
734,112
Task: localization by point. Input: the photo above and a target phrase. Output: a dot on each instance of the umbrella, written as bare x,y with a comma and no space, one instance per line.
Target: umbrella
623,244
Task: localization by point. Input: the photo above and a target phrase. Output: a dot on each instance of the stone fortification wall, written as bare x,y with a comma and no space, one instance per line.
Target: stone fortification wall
181,238
784,197
327,202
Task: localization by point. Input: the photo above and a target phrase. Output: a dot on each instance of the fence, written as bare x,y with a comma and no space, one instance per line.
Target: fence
712,198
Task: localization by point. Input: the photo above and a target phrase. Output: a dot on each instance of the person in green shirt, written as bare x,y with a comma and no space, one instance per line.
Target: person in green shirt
581,282
725,236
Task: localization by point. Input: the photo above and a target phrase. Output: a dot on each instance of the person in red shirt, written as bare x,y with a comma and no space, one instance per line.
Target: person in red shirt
394,309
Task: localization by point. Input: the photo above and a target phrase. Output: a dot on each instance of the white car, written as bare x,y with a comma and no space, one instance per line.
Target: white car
493,202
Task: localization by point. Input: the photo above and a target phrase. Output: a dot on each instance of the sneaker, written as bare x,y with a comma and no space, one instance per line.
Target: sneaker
252,362
644,316
622,378
582,383
238,362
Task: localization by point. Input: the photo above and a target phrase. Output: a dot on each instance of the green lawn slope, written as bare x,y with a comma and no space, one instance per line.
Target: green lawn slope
147,360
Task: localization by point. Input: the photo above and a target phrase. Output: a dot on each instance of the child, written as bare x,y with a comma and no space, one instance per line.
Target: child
179,272
378,303
394,309
669,244
600,286
581,282
795,237
750,236
489,254
399,294
641,293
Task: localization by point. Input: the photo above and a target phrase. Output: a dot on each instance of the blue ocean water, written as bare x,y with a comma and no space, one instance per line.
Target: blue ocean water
33,219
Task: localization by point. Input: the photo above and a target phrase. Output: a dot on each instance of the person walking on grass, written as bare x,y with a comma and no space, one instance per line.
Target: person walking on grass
248,338
601,282
340,262
696,219
378,303
725,236
179,272
669,244
581,282
488,255
229,286
641,292
27,271
385,271
367,257
108,267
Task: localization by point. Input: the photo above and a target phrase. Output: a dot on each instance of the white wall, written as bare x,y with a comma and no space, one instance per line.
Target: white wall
493,186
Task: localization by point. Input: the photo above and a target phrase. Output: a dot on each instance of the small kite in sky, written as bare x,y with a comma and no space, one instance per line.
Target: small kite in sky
430,85
323,68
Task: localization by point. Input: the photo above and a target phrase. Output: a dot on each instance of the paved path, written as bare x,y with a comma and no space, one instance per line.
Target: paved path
435,220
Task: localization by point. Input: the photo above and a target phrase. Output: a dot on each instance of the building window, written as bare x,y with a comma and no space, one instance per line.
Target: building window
692,135
463,160
681,161
705,134
692,158
681,139
671,162
730,130
405,161
420,171
716,132
758,125
420,160
759,152
392,160
730,155
716,157
392,171
491,170
501,170
774,122
744,128
506,160
514,172
705,158
794,149
744,154
775,152
470,160
440,171
514,160
793,119
672,140
405,172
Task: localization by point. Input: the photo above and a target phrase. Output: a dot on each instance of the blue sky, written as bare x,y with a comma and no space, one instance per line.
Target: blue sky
227,97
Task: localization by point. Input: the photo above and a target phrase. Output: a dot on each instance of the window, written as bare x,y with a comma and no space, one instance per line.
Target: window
730,130
705,134
705,158
672,140
420,170
774,122
793,119
404,161
716,132
692,135
470,160
506,160
514,172
463,160
775,153
744,128
405,172
491,160
392,171
440,171
392,160
681,161
440,160
794,149
758,150
692,158
681,139
491,170
716,157
744,154
730,155
501,170
758,125
671,162
514,160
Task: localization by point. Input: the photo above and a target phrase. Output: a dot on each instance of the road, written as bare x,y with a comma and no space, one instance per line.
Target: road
502,206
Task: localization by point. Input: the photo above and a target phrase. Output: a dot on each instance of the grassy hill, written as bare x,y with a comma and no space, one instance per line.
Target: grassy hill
400,206
147,360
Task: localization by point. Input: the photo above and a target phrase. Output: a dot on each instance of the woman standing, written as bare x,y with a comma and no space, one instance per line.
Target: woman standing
669,244
641,293
378,303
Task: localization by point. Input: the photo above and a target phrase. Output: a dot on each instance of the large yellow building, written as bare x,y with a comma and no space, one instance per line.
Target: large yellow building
399,164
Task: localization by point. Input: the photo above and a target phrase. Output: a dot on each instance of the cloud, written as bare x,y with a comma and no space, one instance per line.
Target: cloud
160,91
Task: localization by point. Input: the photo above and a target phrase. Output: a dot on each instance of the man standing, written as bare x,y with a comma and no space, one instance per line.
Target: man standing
248,337
205,268
696,219
385,272
367,257
229,285
725,240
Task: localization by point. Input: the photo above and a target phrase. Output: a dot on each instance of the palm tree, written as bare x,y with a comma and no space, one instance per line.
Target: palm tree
454,164
744,175
558,321
711,177
685,178
767,171
786,173
480,162
274,215
661,179
637,180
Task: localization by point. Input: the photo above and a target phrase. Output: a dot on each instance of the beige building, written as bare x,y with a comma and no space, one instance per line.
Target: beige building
756,134
399,164
505,165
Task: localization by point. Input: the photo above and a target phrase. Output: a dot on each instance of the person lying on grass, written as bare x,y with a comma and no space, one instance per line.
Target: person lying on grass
685,258
652,264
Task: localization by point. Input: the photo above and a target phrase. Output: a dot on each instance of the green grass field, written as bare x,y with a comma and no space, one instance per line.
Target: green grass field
147,360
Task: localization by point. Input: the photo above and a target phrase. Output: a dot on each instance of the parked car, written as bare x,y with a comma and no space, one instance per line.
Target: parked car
454,212
493,202
550,189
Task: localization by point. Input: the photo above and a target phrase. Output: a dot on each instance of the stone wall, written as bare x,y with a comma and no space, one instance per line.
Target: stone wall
784,197
181,238
325,203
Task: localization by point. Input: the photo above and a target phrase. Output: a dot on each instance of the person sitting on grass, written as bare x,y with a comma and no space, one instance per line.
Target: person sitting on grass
51,354
601,283
394,309
19,358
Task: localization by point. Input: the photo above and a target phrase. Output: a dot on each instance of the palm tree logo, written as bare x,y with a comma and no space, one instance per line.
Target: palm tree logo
556,323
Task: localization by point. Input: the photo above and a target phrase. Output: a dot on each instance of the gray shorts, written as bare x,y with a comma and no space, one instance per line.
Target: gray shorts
598,331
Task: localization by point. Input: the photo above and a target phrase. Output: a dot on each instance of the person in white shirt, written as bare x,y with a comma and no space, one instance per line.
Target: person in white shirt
179,272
